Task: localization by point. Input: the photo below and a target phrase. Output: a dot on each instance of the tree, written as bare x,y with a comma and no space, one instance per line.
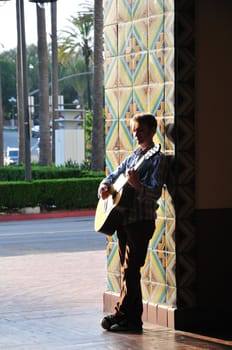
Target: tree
98,149
8,77
73,81
45,145
7,90
1,126
77,41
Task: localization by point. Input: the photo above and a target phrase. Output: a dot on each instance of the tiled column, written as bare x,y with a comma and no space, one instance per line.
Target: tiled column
140,59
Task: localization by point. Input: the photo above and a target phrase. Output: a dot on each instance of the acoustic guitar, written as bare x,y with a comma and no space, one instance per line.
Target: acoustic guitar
110,211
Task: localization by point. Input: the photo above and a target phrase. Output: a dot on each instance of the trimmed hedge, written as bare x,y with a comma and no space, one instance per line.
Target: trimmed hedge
17,173
50,194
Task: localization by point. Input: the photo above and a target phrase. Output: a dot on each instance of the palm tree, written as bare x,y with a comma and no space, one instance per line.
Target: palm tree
76,41
98,121
78,38
45,145
73,78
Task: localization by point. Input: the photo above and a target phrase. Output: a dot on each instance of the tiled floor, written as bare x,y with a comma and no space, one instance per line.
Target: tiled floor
54,301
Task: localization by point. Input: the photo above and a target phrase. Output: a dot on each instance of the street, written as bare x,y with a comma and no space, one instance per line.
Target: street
10,139
49,236
53,274
52,277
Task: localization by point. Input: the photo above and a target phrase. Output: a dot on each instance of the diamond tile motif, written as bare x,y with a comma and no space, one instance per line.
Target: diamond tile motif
156,32
140,98
111,72
158,241
111,104
139,8
169,21
112,161
171,296
140,35
187,237
110,41
156,67
171,269
125,38
113,267
125,70
187,269
113,262
184,142
112,137
110,11
156,99
186,65
185,207
168,5
125,136
170,235
139,76
184,134
155,7
186,173
158,293
114,282
185,107
169,66
125,103
158,266
124,10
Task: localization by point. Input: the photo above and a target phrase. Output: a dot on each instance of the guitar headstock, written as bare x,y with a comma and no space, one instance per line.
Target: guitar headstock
152,151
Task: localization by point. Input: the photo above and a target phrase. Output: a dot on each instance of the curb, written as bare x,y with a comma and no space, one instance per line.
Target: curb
51,215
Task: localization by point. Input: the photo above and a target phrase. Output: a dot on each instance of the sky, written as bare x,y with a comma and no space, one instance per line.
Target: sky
8,33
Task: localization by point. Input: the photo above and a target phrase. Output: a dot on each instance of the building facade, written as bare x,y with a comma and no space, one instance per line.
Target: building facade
152,48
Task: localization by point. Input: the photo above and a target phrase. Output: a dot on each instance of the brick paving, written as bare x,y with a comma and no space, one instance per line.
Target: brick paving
54,301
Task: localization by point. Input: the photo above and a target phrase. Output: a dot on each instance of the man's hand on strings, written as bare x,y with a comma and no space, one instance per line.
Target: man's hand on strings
133,179
103,191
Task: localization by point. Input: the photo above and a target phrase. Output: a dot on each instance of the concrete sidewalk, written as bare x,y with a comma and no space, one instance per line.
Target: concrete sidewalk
46,215
54,301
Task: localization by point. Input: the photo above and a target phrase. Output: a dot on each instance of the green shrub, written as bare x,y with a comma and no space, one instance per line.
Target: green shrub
50,194
17,173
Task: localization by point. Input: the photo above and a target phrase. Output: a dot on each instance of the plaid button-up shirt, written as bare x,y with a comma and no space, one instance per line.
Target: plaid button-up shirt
141,205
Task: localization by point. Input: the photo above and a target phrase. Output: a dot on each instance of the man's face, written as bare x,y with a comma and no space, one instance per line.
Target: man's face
142,133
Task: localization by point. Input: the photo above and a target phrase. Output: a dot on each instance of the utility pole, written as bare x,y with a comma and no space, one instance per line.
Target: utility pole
54,77
22,66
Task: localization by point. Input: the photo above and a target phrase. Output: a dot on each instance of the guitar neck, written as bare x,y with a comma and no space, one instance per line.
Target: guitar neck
122,179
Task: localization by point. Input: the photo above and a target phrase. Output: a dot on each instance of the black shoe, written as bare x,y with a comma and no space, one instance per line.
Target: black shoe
125,326
108,321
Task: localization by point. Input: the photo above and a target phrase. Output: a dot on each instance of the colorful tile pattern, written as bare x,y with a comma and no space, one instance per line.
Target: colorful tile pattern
142,70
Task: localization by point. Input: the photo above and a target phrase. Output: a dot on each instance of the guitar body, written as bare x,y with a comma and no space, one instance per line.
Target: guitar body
108,214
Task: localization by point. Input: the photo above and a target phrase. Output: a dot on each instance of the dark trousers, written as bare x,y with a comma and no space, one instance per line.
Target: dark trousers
133,242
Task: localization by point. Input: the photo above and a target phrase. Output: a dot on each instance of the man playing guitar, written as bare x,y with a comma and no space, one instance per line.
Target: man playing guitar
140,195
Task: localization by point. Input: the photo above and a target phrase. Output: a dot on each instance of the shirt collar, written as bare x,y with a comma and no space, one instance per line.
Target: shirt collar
140,152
